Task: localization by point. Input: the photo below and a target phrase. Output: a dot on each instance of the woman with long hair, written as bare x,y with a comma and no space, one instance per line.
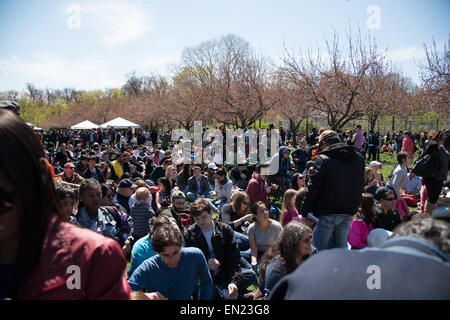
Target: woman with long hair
38,247
291,248
362,222
289,211
236,215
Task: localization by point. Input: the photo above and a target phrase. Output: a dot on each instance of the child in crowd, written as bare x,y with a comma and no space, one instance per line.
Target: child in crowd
141,212
362,222
289,212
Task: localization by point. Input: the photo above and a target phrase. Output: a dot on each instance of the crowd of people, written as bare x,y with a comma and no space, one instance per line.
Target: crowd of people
99,199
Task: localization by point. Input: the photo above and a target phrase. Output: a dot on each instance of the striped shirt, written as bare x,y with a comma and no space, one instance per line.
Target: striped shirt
140,213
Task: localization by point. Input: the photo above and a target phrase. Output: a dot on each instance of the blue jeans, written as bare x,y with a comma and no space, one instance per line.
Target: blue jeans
242,241
331,232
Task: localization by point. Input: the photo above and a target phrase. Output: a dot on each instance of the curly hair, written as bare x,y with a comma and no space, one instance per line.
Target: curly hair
435,231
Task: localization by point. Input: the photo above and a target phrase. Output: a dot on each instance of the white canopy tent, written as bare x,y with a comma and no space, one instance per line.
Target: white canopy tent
119,123
85,125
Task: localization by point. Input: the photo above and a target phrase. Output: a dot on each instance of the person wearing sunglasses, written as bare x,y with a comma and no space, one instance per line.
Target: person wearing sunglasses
386,216
41,253
69,176
298,181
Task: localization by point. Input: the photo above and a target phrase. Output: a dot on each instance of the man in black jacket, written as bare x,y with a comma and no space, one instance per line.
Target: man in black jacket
219,245
334,192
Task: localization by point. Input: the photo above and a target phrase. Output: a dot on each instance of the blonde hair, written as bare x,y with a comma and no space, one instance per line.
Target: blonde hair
142,194
288,196
367,170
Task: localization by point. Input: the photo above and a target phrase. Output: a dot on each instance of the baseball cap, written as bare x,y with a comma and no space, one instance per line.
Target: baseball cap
126,183
212,165
377,237
375,163
327,135
176,194
382,192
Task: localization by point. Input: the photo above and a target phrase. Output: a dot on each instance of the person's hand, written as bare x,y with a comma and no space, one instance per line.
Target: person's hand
155,296
248,217
232,290
213,264
273,186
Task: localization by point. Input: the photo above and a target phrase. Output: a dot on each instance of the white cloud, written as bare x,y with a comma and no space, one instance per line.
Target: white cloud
115,22
49,70
411,53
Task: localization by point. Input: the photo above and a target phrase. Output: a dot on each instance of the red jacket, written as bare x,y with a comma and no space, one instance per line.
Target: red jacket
256,190
100,260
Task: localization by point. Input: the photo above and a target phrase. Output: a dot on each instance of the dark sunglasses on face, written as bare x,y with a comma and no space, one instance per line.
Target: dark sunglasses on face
388,199
6,201
301,178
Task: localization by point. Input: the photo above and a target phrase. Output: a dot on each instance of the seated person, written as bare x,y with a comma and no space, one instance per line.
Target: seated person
413,184
370,183
223,188
143,249
175,273
160,171
236,216
198,186
178,212
240,176
262,233
292,247
219,246
69,176
362,222
386,216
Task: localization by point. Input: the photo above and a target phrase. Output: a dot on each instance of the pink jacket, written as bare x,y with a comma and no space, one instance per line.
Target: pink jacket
100,260
357,235
289,216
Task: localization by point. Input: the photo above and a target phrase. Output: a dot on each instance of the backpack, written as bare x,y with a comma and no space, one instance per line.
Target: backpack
427,164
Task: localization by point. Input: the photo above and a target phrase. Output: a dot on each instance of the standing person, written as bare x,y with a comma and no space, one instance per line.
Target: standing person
408,144
334,191
312,137
372,146
434,184
219,246
288,252
175,273
399,141
37,244
362,222
358,138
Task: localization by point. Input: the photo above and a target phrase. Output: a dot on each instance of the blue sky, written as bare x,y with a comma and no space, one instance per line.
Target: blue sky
95,44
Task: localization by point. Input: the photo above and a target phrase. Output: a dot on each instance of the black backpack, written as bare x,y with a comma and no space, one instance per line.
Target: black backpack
427,164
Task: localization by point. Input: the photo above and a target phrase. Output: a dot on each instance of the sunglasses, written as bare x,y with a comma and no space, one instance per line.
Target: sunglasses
388,199
70,167
300,178
6,200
